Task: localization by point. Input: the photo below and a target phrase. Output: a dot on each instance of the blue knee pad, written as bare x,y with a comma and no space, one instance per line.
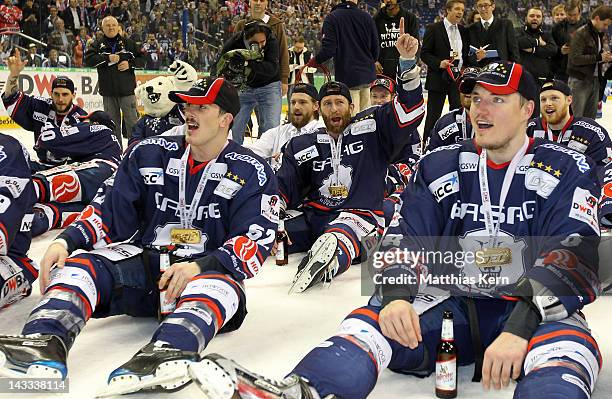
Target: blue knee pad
553,383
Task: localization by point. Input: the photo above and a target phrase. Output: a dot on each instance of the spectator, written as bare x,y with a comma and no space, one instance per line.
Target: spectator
299,55
472,18
119,12
387,24
80,46
61,39
153,53
258,11
537,47
262,87
351,39
10,16
562,33
177,52
32,58
116,57
30,24
585,60
558,13
493,37
54,60
445,46
72,17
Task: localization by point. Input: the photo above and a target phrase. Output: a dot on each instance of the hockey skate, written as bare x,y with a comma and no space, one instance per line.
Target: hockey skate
221,378
157,366
32,356
318,265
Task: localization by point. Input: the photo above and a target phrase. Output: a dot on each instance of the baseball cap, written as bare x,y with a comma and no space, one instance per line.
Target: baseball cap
385,82
306,88
101,118
63,82
210,90
335,88
556,85
467,73
503,77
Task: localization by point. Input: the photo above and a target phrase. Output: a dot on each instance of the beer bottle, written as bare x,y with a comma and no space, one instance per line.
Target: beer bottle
446,360
282,247
164,308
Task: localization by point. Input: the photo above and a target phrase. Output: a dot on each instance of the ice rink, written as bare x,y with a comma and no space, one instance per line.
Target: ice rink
277,332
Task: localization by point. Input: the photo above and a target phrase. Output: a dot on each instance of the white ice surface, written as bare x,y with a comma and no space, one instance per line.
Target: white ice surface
278,331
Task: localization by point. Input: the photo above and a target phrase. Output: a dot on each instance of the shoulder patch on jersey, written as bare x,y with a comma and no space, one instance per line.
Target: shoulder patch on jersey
152,176
444,148
227,188
262,178
444,186
580,159
323,138
590,126
159,141
363,127
448,131
584,208
540,181
15,185
39,116
468,162
539,134
575,145
270,207
174,167
524,164
306,154
217,171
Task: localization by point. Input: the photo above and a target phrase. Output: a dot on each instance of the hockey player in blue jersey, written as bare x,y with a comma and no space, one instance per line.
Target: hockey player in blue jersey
605,204
514,187
200,207
17,271
558,124
337,173
455,126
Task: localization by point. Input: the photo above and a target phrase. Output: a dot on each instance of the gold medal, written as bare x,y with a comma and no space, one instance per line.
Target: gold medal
338,191
493,257
185,236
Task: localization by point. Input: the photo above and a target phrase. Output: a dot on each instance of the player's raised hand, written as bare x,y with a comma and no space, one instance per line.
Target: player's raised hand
406,44
15,63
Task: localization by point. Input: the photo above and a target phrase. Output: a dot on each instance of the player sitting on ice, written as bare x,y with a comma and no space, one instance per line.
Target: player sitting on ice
200,207
17,271
74,157
539,334
337,173
559,125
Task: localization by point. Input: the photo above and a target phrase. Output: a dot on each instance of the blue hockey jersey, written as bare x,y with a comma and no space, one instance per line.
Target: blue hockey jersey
237,213
148,125
36,114
549,222
375,138
605,203
581,134
451,128
17,198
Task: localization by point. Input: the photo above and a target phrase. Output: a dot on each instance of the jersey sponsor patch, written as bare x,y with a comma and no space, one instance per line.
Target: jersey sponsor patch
152,176
5,202
15,185
541,182
39,116
591,127
66,187
363,127
448,131
270,207
26,222
539,134
227,188
580,159
524,163
468,162
306,154
174,167
262,178
445,186
217,171
584,208
574,145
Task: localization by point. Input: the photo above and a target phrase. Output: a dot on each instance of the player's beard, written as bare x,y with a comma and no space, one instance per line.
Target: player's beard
62,111
301,120
556,117
346,119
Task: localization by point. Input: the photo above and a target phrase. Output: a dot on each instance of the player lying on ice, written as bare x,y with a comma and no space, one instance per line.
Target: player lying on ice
202,207
538,336
336,174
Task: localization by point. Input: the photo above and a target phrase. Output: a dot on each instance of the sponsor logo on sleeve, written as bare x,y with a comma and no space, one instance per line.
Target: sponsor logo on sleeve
262,178
445,186
539,134
152,176
541,182
593,128
227,188
217,171
174,167
580,159
306,154
584,208
468,162
448,131
362,127
40,117
323,139
15,185
26,222
270,207
574,145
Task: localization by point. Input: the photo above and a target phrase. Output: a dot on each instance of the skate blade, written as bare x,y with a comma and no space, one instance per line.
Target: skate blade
212,379
33,371
168,375
324,251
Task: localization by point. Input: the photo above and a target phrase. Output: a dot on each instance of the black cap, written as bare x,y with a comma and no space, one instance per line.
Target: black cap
63,82
99,117
503,77
556,85
210,90
335,88
306,88
385,82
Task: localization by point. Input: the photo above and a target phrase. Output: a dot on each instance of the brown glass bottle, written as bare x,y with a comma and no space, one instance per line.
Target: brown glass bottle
446,360
282,247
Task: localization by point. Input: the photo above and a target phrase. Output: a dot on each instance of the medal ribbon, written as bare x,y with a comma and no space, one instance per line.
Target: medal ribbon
336,157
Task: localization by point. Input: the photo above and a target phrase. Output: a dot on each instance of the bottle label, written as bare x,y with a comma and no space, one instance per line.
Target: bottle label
280,251
446,374
447,330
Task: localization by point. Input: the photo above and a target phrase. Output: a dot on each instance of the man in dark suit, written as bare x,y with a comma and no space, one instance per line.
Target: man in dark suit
493,37
445,46
72,17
